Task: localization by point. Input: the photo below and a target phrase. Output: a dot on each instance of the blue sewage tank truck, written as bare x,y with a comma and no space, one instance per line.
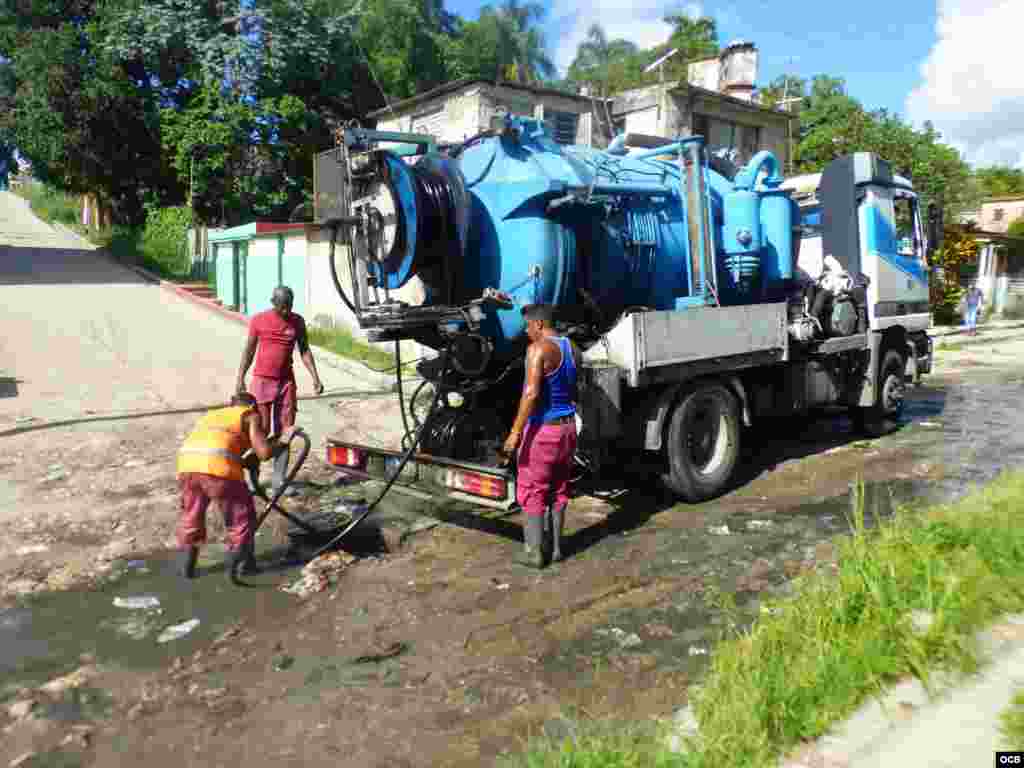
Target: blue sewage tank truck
707,299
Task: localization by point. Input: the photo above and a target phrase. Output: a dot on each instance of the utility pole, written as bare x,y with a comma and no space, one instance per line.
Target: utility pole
660,65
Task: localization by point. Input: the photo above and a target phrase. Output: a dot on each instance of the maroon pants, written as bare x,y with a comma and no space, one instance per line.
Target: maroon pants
545,466
275,400
234,499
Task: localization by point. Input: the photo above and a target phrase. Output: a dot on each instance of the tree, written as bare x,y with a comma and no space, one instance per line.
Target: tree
1016,228
595,57
696,39
1000,181
784,87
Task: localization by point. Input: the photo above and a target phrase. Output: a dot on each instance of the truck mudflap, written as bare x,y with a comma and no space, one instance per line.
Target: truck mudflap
435,476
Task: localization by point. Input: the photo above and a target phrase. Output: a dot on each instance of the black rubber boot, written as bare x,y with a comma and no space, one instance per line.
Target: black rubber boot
557,526
186,562
249,566
233,560
533,541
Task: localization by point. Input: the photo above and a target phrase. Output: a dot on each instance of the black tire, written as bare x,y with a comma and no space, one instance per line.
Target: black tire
702,442
890,390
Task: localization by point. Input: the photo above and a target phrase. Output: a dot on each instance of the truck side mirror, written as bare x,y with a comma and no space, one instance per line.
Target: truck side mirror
935,228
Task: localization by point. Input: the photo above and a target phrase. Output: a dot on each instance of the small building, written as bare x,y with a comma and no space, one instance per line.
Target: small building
716,102
999,272
252,259
463,108
997,213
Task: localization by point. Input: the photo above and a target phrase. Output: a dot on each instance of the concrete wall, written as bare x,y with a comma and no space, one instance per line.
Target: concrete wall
454,117
326,309
1006,210
639,110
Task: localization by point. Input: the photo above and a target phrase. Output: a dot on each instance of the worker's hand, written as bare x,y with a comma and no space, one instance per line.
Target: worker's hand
288,433
318,386
510,446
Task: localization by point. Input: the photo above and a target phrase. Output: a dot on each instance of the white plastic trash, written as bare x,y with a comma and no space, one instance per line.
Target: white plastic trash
146,602
177,630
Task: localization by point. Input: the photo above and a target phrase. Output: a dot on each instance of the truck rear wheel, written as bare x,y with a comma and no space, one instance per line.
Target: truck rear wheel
703,442
890,392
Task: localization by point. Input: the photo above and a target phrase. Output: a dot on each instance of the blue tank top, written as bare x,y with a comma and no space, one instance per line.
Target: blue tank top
558,388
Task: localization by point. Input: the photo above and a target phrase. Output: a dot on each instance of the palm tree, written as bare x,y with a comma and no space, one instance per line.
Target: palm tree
594,58
520,45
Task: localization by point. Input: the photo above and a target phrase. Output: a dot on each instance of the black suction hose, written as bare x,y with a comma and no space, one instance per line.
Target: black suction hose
334,273
401,394
405,459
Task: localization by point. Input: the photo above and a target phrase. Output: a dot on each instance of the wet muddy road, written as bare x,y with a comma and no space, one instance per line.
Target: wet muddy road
442,652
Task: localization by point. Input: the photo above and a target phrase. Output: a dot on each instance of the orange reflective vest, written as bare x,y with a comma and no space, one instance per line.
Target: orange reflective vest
216,444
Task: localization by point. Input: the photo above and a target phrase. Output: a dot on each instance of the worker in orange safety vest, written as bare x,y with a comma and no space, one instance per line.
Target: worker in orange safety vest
210,467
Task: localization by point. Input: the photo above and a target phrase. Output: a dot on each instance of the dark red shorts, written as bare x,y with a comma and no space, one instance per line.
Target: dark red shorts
275,398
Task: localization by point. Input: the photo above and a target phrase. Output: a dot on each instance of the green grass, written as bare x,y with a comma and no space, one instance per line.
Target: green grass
845,634
52,206
1012,723
341,342
603,744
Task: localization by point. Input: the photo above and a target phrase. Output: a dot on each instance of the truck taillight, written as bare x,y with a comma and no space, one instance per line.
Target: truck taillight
476,483
343,456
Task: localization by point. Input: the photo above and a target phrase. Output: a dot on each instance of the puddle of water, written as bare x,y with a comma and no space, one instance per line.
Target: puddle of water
44,636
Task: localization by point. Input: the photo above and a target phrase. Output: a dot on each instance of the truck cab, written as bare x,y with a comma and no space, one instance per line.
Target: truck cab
885,240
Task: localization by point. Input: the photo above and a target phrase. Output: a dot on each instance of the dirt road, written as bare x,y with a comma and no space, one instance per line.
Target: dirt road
436,652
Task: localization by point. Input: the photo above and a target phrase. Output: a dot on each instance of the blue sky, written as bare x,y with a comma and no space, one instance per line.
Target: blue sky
951,61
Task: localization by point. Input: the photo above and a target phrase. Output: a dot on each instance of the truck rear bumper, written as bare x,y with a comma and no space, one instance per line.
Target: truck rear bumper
435,476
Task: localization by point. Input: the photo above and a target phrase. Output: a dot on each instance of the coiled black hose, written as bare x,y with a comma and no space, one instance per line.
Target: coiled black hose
436,224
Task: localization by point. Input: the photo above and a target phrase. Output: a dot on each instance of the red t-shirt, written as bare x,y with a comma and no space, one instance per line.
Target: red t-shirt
276,337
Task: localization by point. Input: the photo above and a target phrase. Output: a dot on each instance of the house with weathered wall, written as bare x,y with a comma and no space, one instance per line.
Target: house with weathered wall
717,102
458,110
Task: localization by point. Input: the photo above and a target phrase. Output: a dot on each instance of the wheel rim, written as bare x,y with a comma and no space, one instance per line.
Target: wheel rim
707,437
893,392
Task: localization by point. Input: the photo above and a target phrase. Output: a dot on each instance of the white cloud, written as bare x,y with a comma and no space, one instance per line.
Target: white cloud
639,22
971,86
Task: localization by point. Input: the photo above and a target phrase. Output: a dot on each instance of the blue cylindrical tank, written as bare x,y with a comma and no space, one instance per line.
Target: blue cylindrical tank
581,227
741,234
777,226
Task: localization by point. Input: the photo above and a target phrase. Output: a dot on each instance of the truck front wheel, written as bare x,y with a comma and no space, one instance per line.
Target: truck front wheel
703,442
890,393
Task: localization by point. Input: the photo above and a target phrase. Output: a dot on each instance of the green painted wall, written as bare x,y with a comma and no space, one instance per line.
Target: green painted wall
225,258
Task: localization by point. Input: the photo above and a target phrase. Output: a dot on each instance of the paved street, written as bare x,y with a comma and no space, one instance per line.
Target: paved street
84,335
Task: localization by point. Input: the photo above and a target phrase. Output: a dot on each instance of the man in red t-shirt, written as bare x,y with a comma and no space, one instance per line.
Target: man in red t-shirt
275,333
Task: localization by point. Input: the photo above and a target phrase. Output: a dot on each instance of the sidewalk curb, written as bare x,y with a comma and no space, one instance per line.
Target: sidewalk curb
905,716
323,355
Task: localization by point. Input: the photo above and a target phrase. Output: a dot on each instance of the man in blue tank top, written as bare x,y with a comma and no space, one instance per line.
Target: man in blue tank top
544,432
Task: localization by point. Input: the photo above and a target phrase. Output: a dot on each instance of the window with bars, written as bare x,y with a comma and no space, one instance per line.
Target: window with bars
561,126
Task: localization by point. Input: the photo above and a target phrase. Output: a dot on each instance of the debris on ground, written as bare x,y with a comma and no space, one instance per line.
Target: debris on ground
21,760
79,677
143,603
720,530
759,525
21,709
175,631
320,573
31,549
625,639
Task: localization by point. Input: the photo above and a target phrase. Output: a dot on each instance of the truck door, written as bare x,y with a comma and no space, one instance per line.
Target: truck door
893,257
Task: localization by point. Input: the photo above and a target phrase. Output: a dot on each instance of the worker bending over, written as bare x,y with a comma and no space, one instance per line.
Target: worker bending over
273,336
210,466
547,412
